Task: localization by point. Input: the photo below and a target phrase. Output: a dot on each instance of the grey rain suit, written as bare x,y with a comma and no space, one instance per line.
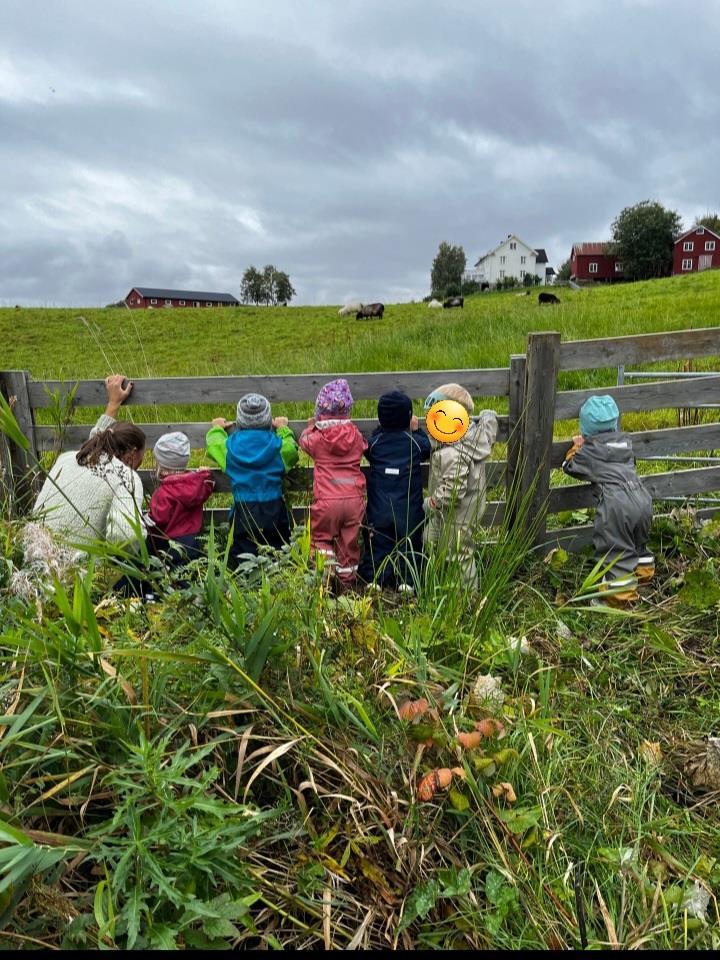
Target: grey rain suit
624,511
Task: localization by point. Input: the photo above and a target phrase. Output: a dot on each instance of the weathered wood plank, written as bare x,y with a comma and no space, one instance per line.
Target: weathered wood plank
494,471
76,433
641,348
225,391
644,396
543,353
657,443
21,477
574,539
674,483
492,516
518,373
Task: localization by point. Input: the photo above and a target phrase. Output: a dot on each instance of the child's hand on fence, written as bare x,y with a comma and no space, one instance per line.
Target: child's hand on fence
222,422
311,421
118,388
578,440
414,423
279,422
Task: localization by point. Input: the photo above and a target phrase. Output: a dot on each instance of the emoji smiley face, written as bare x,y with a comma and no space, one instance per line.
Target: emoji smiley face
447,421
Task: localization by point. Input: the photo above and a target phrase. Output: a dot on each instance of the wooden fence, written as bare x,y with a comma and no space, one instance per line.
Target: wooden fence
530,382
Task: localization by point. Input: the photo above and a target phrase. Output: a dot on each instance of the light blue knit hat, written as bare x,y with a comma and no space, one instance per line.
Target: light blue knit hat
598,415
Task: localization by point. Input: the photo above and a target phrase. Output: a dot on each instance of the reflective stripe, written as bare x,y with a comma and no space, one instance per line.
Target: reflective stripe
647,560
342,480
395,471
346,569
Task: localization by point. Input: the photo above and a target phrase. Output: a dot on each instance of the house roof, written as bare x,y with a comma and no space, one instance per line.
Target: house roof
540,255
698,226
510,236
592,249
160,293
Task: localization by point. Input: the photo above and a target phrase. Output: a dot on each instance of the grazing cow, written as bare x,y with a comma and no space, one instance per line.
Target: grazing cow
484,287
547,298
454,302
349,309
370,310
435,304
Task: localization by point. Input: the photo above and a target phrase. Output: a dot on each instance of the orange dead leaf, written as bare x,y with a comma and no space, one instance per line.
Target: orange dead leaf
490,727
413,709
438,779
504,790
469,741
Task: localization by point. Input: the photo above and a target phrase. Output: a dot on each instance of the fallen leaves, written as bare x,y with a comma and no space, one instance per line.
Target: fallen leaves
438,779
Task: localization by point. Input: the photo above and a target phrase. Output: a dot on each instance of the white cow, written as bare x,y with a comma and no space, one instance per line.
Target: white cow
349,309
435,304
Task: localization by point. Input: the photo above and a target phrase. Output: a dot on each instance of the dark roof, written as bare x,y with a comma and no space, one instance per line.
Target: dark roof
593,249
184,294
541,256
549,271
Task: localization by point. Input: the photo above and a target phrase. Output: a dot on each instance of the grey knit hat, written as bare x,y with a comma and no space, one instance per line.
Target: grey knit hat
172,451
253,412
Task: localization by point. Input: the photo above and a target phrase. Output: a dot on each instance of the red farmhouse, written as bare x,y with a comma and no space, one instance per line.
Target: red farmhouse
697,249
591,261
140,297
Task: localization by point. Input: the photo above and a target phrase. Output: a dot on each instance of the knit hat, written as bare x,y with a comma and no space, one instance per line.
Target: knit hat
253,412
394,410
334,399
451,391
172,451
598,415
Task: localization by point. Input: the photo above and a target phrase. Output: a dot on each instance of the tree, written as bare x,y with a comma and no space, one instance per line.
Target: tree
272,286
563,273
643,237
447,270
710,220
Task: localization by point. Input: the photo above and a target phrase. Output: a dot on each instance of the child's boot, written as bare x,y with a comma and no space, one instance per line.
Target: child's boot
620,592
645,570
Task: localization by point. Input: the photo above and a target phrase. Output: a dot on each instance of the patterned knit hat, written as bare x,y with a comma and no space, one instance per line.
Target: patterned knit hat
598,415
172,451
334,399
394,410
451,391
253,412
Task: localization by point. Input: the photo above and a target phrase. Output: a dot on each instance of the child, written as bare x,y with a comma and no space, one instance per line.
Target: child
256,457
176,505
394,494
603,455
336,445
456,490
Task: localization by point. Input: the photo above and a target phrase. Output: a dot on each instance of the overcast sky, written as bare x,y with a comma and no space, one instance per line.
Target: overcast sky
164,143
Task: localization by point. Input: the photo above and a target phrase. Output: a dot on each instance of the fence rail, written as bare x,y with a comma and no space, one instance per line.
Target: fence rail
535,406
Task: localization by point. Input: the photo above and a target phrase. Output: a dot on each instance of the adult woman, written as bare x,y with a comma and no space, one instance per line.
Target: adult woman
96,493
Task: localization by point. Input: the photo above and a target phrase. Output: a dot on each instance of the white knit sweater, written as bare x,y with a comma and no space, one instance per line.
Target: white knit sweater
82,504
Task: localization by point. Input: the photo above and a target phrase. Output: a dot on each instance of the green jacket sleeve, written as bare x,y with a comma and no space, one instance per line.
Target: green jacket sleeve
216,441
289,448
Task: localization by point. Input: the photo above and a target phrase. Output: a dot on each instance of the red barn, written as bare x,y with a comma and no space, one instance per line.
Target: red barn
592,261
697,249
143,297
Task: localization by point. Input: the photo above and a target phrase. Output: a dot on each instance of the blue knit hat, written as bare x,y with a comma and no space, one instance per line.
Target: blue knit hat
394,410
598,415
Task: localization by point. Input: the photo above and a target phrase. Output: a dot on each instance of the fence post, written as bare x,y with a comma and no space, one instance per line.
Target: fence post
514,444
541,373
14,384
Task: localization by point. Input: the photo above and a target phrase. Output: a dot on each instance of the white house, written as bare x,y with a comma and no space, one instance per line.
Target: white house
510,258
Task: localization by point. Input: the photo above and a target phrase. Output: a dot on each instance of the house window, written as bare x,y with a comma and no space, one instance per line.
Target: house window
208,303
593,268
153,301
168,303
181,302
709,244
618,267
688,245
502,274
701,230
513,246
196,303
522,274
522,260
687,264
502,259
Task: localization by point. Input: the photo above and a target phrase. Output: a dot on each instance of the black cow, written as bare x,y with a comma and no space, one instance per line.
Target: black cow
371,310
454,302
547,298
484,286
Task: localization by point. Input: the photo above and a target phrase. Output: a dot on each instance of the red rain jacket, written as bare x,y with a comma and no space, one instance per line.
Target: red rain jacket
337,447
176,506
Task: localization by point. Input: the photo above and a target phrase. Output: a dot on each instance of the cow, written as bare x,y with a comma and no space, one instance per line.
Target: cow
484,286
350,308
454,302
547,298
371,310
435,304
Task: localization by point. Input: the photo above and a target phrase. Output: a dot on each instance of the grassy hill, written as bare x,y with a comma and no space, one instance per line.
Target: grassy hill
230,766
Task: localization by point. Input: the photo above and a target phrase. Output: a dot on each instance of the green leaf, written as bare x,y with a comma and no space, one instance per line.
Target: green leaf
454,882
162,937
458,800
10,427
520,819
701,589
420,902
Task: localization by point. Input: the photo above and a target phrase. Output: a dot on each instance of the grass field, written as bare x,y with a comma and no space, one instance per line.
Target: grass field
229,767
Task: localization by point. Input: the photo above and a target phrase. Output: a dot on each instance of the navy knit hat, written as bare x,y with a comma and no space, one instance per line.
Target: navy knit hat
394,410
598,415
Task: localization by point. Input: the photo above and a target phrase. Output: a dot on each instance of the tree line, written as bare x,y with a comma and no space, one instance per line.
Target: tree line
269,286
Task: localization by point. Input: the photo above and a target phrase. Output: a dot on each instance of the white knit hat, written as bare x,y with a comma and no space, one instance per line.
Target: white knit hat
172,451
